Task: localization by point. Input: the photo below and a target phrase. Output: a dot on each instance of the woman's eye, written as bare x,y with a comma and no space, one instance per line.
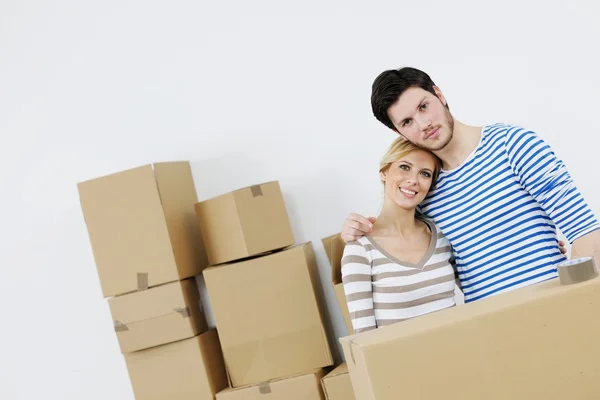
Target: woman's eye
426,174
404,167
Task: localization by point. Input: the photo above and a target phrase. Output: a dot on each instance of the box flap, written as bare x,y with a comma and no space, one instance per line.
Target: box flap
334,248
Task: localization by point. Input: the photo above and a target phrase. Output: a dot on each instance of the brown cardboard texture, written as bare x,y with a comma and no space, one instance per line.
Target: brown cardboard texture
159,315
538,342
334,247
302,387
191,369
142,227
337,385
244,223
269,315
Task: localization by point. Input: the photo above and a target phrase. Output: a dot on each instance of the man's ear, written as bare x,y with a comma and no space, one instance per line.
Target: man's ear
440,95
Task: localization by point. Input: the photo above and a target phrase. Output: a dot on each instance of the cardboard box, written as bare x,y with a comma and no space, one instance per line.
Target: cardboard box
269,315
191,369
334,247
244,223
337,385
302,387
538,342
142,226
159,315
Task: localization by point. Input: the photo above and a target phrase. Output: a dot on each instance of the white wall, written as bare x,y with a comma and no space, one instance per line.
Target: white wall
248,91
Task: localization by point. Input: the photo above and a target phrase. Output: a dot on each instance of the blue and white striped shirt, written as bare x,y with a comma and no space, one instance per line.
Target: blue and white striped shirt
500,210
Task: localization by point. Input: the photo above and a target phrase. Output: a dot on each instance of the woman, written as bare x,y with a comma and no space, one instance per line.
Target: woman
403,269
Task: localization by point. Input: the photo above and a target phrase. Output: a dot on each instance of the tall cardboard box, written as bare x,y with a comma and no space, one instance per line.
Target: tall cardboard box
302,387
541,342
159,315
190,369
244,223
142,226
337,385
334,247
269,315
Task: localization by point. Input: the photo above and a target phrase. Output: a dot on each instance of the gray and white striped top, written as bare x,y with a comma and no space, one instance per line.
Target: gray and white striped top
381,290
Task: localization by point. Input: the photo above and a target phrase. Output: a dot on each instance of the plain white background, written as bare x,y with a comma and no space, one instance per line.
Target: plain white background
248,91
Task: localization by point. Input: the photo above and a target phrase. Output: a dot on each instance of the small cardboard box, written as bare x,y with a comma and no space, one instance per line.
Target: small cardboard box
159,315
142,226
269,315
337,385
334,247
302,387
244,223
191,369
538,342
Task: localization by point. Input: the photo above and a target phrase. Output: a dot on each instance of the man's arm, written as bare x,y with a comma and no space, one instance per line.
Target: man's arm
546,178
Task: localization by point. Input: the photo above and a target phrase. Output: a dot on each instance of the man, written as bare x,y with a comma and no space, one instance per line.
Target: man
499,198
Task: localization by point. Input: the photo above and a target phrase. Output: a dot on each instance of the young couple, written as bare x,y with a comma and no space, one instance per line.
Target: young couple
481,204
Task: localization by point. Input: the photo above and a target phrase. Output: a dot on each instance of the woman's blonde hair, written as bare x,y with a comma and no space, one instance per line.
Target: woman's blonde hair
399,149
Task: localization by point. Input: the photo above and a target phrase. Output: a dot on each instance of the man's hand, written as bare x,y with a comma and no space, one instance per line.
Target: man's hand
561,246
356,226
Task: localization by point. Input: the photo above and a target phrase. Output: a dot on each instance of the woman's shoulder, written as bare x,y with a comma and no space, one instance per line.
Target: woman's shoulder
358,245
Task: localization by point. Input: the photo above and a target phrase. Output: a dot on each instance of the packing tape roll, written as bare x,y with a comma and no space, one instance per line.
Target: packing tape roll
576,271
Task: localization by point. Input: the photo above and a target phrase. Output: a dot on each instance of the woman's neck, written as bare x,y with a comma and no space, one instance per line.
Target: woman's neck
395,221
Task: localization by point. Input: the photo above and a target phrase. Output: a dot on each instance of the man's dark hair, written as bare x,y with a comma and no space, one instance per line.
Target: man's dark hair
390,84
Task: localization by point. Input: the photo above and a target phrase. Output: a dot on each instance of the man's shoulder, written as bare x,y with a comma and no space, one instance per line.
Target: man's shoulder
511,131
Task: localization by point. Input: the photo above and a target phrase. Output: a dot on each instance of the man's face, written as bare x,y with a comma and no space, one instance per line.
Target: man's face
423,118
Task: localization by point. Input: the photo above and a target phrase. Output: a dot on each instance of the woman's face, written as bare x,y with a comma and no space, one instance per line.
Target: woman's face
408,180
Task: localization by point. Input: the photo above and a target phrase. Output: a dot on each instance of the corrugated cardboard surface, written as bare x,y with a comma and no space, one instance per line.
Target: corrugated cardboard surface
141,226
191,369
334,248
268,315
337,385
303,387
243,223
159,315
538,342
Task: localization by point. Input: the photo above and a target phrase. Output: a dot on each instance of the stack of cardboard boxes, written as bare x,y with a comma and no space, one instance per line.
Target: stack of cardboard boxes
151,237
263,289
147,249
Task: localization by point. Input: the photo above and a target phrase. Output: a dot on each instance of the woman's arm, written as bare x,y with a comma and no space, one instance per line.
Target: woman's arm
356,277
